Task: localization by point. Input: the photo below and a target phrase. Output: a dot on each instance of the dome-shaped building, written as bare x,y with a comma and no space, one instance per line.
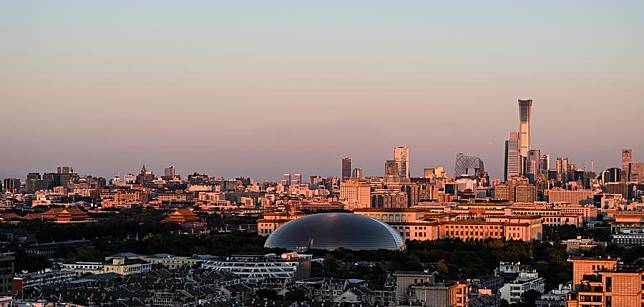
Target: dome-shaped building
331,231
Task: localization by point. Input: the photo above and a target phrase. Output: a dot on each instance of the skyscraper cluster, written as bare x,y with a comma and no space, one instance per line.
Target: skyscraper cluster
519,159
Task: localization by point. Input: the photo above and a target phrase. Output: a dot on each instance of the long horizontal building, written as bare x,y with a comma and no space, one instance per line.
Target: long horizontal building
272,220
417,224
628,228
264,269
569,196
554,214
471,220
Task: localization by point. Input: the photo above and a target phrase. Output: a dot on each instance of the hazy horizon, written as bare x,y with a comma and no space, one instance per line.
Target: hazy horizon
260,89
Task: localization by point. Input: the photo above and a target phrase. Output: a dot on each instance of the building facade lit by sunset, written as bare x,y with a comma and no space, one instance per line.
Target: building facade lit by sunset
604,282
401,156
525,108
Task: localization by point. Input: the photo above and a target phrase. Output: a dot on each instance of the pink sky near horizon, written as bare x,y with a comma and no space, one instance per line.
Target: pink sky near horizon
230,91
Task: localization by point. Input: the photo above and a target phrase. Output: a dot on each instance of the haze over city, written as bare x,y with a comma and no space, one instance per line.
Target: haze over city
322,153
259,89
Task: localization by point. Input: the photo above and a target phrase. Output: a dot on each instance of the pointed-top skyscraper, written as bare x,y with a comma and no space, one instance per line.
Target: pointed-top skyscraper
525,106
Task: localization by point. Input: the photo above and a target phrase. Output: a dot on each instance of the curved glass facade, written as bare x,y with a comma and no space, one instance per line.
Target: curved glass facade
330,231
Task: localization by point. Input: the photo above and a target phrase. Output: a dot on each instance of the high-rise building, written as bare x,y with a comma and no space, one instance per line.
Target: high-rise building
34,183
428,173
65,170
346,168
401,155
145,177
170,171
516,190
355,194
11,185
357,173
612,174
392,168
512,156
636,172
627,158
525,105
465,163
533,165
545,163
562,167
286,179
297,179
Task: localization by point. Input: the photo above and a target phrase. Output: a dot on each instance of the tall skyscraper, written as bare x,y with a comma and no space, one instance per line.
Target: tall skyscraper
525,106
512,156
627,158
346,168
401,155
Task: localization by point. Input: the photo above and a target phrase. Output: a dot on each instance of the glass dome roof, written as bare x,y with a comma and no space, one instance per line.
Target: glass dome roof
330,231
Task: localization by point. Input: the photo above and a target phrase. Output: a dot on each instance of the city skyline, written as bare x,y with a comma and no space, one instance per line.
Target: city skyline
322,153
304,92
542,163
519,159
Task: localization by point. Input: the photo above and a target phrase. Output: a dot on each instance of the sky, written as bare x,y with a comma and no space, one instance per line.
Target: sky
261,88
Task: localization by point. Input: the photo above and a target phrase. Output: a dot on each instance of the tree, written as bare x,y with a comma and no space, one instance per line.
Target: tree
330,263
30,262
442,267
529,297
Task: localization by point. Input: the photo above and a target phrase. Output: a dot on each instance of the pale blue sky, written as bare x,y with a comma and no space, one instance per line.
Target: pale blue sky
259,88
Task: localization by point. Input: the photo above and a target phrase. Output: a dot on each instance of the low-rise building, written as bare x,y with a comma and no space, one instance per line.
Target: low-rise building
44,278
267,269
7,261
422,289
575,246
49,249
182,215
83,267
628,228
526,281
431,226
271,221
440,294
554,298
126,266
